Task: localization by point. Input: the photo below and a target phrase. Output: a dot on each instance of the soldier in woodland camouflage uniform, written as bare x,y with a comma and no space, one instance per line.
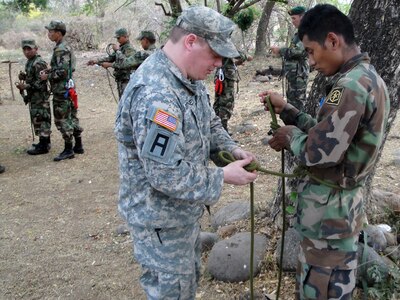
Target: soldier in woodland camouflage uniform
37,96
295,68
340,147
225,79
118,60
166,129
147,40
62,66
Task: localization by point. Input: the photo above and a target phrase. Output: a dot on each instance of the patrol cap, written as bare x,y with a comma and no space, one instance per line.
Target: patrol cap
28,43
56,25
212,26
121,32
146,34
298,10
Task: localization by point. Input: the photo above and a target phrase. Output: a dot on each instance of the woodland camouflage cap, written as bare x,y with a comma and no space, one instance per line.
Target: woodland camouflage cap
298,10
121,32
56,25
28,43
146,34
212,26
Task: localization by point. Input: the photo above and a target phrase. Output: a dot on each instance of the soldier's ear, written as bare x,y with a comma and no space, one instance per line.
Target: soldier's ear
332,41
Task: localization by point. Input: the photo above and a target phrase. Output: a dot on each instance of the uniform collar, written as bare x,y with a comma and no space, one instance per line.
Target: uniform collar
192,86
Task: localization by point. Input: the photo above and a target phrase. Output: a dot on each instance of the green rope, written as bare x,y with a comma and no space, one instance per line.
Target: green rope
251,240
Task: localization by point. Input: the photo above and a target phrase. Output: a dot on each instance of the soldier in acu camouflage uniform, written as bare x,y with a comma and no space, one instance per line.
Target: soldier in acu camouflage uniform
340,147
37,96
119,60
166,129
295,64
62,66
225,79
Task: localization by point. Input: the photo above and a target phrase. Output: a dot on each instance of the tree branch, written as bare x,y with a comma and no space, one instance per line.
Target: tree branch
163,8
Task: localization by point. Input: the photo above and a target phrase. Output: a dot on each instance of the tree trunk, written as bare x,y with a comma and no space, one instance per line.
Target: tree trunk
262,29
377,27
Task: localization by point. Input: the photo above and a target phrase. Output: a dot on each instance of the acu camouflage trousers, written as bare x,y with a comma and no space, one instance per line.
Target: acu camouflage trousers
170,260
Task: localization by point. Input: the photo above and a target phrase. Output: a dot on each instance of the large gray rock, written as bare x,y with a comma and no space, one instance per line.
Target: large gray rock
375,237
233,212
290,251
229,260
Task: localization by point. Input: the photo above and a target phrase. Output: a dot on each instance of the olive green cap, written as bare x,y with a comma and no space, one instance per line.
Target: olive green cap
56,25
28,43
298,10
146,34
121,32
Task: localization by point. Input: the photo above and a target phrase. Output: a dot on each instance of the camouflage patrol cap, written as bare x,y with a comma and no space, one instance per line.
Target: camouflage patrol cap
56,25
298,10
121,32
146,34
28,43
210,25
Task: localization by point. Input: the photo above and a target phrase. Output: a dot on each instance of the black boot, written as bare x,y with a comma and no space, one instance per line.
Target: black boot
41,148
78,148
68,153
48,144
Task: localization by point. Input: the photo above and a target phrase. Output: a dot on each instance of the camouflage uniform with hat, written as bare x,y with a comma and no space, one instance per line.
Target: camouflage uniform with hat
340,148
295,66
225,94
121,65
139,57
62,67
37,95
166,129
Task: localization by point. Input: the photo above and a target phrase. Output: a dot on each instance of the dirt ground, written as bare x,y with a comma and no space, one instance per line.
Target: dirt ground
58,219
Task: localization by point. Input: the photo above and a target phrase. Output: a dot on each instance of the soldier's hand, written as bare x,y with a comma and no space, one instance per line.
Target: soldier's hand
21,86
91,62
22,75
277,101
115,47
281,138
106,65
275,50
234,173
26,100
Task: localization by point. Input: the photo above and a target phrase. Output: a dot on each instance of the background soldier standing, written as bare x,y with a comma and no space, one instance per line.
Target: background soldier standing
225,79
60,76
295,63
118,60
37,96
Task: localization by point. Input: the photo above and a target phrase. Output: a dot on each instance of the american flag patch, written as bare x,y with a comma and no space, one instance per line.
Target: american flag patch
166,120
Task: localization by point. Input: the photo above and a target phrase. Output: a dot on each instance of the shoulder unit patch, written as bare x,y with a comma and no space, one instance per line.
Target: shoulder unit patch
165,120
335,96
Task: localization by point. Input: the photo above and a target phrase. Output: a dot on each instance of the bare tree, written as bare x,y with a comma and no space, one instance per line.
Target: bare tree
261,37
